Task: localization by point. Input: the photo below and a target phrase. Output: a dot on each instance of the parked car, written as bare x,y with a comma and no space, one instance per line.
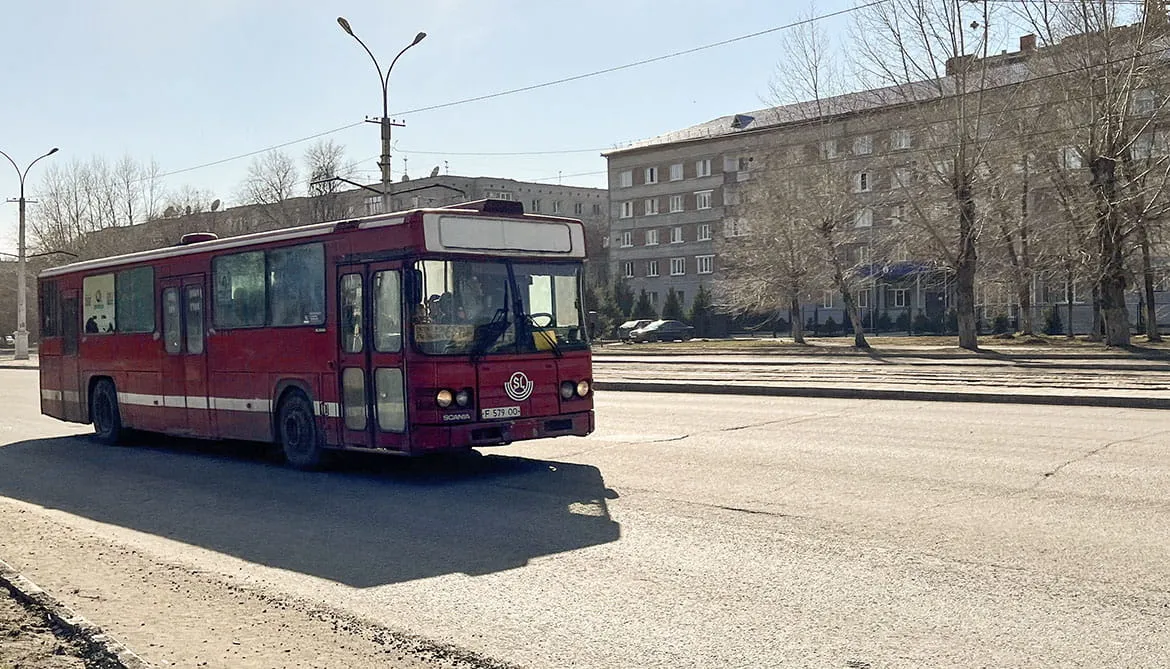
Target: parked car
663,331
624,330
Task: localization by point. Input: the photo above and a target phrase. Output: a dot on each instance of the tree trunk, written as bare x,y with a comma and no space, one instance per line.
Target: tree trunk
1110,238
854,318
1148,284
966,264
794,317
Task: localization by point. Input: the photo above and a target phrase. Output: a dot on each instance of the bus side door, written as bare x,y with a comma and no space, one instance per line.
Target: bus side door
185,364
71,395
370,355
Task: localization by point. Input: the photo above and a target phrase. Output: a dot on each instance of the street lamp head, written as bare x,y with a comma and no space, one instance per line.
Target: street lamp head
51,151
418,38
345,25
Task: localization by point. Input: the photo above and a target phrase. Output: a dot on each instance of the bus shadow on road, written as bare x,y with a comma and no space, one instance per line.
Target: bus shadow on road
371,522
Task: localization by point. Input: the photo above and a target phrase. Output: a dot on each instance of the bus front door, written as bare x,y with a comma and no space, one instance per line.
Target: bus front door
185,365
372,374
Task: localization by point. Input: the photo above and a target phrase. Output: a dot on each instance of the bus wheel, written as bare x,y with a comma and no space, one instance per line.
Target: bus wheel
297,430
103,410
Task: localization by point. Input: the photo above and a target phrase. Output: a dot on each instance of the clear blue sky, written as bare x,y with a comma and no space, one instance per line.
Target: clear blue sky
190,83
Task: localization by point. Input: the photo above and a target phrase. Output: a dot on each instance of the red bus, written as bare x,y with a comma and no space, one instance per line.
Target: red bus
415,332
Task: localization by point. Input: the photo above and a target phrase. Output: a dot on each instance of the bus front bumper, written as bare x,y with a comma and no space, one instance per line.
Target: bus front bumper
496,433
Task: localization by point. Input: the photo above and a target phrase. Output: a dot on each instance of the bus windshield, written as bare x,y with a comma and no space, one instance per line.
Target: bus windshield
504,306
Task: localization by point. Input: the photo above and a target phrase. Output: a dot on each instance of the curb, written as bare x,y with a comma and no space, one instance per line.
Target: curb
876,394
103,646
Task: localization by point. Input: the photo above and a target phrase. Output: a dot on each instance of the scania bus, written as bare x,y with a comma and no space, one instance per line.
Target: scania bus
416,332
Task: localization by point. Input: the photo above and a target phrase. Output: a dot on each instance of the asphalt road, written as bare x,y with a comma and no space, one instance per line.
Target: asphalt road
690,531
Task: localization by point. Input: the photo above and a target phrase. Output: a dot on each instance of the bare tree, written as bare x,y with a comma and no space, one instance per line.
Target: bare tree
932,55
325,163
802,216
271,183
1100,68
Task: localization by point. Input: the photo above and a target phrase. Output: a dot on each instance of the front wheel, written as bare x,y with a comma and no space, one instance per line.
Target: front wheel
103,410
296,429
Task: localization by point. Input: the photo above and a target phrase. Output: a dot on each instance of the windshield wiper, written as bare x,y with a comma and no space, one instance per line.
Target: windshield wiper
489,333
548,333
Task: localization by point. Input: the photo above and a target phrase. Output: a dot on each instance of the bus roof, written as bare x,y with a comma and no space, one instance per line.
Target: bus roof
472,209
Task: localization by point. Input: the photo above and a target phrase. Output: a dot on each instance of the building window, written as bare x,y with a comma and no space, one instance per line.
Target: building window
498,195
898,214
676,235
862,182
556,207
863,146
373,205
535,206
596,210
579,208
735,227
627,209
899,297
676,203
900,139
703,167
652,237
827,302
704,232
651,268
703,199
1144,102
678,266
829,149
652,206
651,175
654,297
628,270
863,299
903,176
1070,158
863,218
705,264
626,179
676,172
627,239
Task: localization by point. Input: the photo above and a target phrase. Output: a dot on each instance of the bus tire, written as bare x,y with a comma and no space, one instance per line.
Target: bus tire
103,411
296,430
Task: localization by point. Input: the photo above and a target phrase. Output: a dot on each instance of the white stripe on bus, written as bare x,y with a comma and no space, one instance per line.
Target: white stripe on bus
327,409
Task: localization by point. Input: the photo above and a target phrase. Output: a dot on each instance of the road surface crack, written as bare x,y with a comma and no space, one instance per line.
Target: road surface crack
1088,454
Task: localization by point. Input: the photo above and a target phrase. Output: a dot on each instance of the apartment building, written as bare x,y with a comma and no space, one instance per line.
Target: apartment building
680,199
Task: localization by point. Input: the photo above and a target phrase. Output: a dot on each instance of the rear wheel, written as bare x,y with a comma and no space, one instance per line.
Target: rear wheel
103,410
296,429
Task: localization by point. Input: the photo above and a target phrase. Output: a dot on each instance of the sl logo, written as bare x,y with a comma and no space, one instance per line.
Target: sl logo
518,387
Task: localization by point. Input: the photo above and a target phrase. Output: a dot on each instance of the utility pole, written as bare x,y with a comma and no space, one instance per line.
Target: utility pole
385,121
21,280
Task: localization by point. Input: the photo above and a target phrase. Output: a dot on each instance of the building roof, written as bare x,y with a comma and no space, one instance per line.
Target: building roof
1009,73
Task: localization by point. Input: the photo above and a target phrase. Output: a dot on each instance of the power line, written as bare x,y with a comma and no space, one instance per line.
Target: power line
647,61
595,73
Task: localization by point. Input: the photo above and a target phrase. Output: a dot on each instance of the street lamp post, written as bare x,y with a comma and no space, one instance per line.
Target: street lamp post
384,121
21,297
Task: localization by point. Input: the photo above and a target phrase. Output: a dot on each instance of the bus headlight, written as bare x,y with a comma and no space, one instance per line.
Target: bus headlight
583,388
444,398
463,398
567,388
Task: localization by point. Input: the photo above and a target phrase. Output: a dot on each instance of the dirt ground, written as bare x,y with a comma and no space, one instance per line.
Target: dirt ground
28,642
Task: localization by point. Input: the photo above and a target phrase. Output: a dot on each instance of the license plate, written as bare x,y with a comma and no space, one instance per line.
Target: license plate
501,412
